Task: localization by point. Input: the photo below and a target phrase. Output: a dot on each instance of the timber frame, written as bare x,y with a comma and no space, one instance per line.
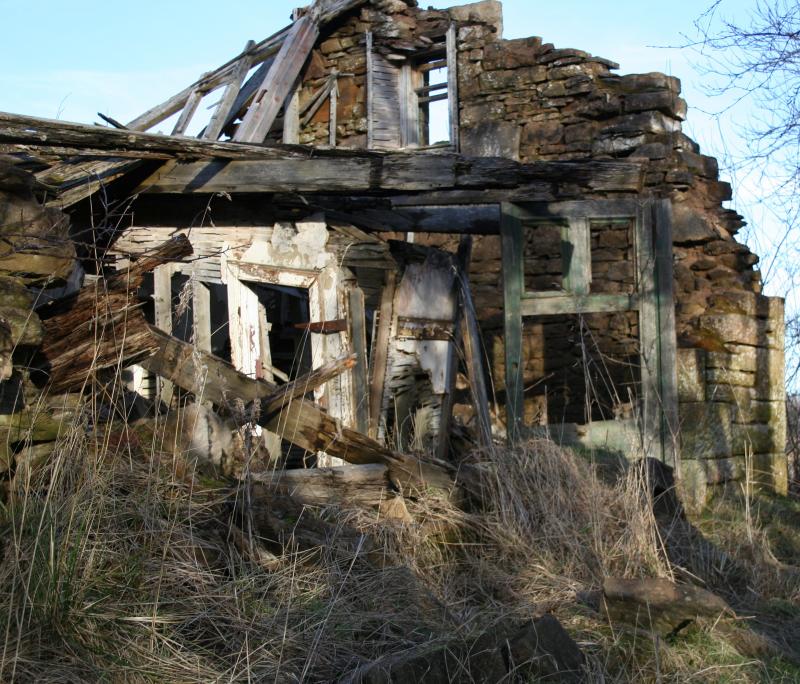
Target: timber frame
652,300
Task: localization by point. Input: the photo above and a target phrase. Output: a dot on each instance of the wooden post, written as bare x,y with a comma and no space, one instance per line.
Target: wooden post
577,256
279,80
162,299
513,282
201,315
291,117
188,112
334,104
215,126
462,265
650,409
357,324
452,86
381,354
667,338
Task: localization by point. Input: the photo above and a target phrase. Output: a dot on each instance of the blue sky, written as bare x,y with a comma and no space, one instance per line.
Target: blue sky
69,60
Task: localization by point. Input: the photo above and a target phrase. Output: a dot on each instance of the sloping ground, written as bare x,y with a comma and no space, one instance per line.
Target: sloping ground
115,568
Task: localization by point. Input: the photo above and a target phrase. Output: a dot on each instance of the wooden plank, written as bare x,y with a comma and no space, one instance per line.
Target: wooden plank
371,173
511,239
544,304
381,353
360,485
291,117
278,82
357,323
332,120
225,106
667,338
201,315
577,256
162,299
462,262
650,410
473,357
408,107
370,92
452,85
189,109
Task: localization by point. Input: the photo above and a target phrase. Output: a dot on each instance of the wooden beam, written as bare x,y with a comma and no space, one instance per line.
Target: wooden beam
206,83
547,304
223,110
513,285
372,173
381,353
649,409
473,358
189,109
279,81
667,339
357,329
162,299
452,86
360,485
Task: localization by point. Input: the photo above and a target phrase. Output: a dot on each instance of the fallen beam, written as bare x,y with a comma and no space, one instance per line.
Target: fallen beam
301,422
363,485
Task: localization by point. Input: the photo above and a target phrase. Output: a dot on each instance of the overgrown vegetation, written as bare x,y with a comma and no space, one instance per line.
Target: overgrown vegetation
114,568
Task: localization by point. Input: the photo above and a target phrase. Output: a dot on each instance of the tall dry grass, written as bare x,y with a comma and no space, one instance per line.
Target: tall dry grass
116,568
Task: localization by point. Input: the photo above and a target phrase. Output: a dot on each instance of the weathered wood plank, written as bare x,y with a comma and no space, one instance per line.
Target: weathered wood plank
358,339
511,238
668,353
452,85
223,110
188,112
278,82
381,353
206,83
354,485
540,305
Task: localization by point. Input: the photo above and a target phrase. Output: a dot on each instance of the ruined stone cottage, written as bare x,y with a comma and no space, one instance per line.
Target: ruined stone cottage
503,237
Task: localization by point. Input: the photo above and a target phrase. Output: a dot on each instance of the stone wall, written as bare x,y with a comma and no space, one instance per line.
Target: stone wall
528,100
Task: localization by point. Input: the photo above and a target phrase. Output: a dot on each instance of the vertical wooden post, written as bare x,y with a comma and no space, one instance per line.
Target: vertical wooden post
577,256
357,323
162,299
648,332
334,104
513,282
381,354
667,338
201,316
291,117
370,92
462,266
452,85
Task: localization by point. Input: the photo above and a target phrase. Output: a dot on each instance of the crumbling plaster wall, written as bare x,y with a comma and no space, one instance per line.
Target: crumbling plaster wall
525,99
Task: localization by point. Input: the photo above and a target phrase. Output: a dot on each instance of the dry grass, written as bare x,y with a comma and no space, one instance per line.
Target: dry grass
114,568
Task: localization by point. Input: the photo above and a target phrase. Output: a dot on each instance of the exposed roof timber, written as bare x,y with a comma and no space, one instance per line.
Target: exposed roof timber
82,139
418,173
321,13
208,82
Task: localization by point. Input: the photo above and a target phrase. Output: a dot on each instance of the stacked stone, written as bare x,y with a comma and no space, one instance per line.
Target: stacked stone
399,29
528,100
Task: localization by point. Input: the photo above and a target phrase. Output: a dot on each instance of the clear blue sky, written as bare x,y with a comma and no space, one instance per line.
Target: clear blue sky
71,59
